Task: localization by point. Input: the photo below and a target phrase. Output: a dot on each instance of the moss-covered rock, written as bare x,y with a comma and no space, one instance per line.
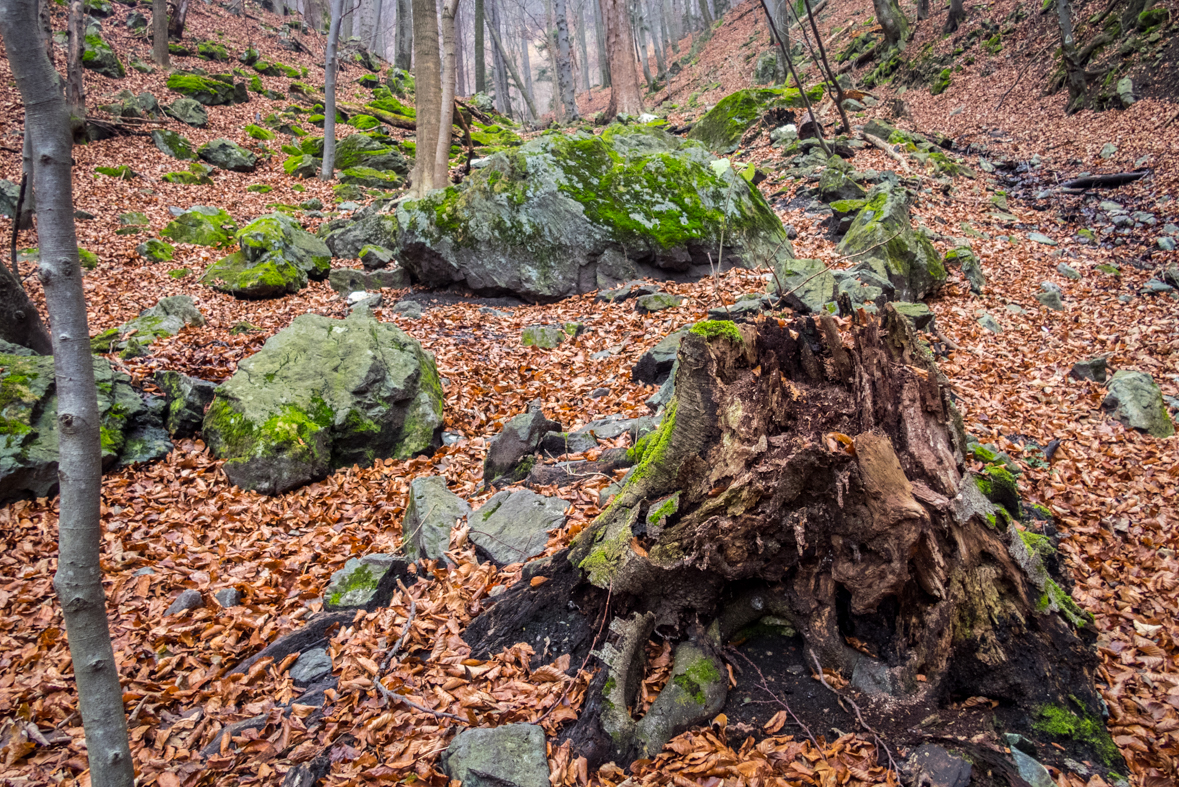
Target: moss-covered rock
367,150
323,394
155,250
172,144
400,82
277,257
1135,400
225,154
204,90
197,175
211,50
883,241
722,127
372,178
201,224
563,215
98,56
259,133
189,112
806,285
132,339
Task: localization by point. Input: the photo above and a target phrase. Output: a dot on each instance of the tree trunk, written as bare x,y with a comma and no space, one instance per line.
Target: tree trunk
705,14
624,78
20,323
503,56
1073,70
814,481
75,83
675,26
892,21
427,74
403,43
446,111
956,16
582,72
376,25
832,79
640,42
346,20
330,69
313,14
499,60
279,9
565,63
526,65
176,20
159,33
652,26
600,40
480,55
922,9
78,580
460,54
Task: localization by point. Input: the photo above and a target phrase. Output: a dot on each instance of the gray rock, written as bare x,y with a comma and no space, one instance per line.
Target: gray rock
172,144
364,300
277,257
189,599
1125,88
430,515
225,154
990,323
1041,238
358,583
1156,287
323,394
918,313
544,336
852,105
626,291
348,280
561,443
1030,770
648,304
658,400
1135,400
189,112
1068,271
933,766
804,285
1050,296
146,571
411,310
311,666
186,397
521,437
376,257
98,56
228,597
767,71
9,193
836,184
970,265
1093,369
744,310
598,393
655,364
368,227
1109,150
512,526
1171,274
167,318
513,755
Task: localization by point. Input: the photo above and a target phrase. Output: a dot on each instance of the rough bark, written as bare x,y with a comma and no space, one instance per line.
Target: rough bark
501,60
675,25
159,33
1074,71
313,14
705,14
480,55
565,63
956,16
640,42
427,75
75,84
892,21
600,41
403,49
78,580
176,18
446,110
526,66
330,68
625,97
20,323
376,26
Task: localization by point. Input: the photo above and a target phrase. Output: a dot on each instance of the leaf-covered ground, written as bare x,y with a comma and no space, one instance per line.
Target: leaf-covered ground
1113,491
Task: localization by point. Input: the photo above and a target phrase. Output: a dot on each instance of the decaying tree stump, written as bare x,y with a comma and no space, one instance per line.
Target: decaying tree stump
814,478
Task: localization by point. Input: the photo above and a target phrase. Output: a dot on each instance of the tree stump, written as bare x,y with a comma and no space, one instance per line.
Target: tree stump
817,478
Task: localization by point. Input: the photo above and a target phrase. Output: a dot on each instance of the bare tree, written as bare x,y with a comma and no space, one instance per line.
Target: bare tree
446,110
956,16
159,32
403,42
600,40
330,66
892,20
583,71
501,59
426,67
480,55
79,574
640,40
75,84
1074,71
624,78
564,62
507,60
705,14
526,67
176,18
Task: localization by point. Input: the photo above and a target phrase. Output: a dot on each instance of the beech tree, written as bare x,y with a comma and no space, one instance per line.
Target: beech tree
403,41
1074,70
159,32
564,63
75,83
625,97
446,107
427,75
78,580
956,16
176,19
330,66
480,55
892,21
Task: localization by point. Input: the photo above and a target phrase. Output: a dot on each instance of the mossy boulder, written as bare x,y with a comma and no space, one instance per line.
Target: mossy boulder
156,250
324,394
129,427
172,144
882,240
365,150
197,175
563,215
277,257
225,154
722,127
372,178
400,82
167,318
98,56
201,224
1135,400
189,112
259,133
211,50
204,90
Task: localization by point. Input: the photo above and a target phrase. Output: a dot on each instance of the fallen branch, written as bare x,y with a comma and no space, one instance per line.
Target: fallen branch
1111,181
877,142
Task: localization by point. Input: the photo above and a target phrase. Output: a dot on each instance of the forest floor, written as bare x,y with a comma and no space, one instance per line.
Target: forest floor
1112,490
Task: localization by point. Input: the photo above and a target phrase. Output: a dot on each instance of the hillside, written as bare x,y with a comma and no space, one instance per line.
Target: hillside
179,524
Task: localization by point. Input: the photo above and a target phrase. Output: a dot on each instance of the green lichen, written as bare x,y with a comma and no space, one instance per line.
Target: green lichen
700,673
1038,545
257,132
1055,597
1062,722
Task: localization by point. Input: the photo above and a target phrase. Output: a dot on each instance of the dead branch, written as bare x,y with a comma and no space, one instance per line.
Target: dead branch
877,142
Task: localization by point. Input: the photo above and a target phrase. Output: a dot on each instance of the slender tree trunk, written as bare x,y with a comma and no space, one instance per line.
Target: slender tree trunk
499,47
330,66
705,14
279,9
159,33
376,24
403,50
75,84
956,16
526,65
922,9
313,15
446,114
346,20
499,56
625,97
640,40
600,40
480,55
806,102
79,575
892,20
583,72
564,64
653,28
176,20
24,221
460,57
427,73
831,76
1074,71
675,23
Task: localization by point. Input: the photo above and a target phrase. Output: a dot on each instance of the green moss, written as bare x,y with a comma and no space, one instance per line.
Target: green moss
710,329
259,188
1062,602
360,579
257,132
179,273
1038,545
1062,722
699,674
122,172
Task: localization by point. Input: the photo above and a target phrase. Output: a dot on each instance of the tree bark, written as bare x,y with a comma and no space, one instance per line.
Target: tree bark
956,16
922,9
652,26
500,60
75,84
313,14
159,33
675,25
446,111
346,19
403,54
526,65
625,97
1074,72
376,24
582,50
20,322
565,63
640,40
427,74
499,47
815,478
705,14
176,19
600,41
330,68
892,21
480,55
832,78
78,580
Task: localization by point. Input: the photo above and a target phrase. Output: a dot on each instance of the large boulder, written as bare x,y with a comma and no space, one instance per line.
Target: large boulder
513,525
129,428
881,239
98,56
204,90
166,318
519,439
224,154
430,515
188,112
201,224
722,127
1136,400
512,755
368,157
277,257
324,394
563,215
368,227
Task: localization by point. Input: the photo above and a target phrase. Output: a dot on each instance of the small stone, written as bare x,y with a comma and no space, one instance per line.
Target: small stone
990,323
1157,287
657,302
1050,295
1109,150
430,515
1068,271
933,766
1092,369
146,571
364,300
311,666
189,599
1040,238
1165,243
1030,770
598,393
410,310
355,586
918,313
1135,400
228,597
545,337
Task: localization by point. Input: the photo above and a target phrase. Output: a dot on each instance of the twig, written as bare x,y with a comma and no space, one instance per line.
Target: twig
856,708
1021,73
389,695
880,143
785,706
601,626
20,204
413,611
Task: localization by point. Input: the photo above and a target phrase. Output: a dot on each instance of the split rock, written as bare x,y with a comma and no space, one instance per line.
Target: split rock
513,526
430,515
